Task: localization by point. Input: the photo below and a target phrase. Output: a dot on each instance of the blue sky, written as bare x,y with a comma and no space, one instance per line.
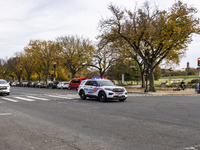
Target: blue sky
25,20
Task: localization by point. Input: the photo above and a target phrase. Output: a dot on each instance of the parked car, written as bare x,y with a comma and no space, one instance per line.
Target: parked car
4,87
43,85
53,84
74,84
13,84
63,85
26,84
33,84
102,89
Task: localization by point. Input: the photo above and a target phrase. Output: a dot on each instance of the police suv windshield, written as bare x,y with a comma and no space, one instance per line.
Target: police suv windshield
105,83
2,82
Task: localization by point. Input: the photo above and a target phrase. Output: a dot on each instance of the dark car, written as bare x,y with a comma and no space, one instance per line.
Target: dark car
52,85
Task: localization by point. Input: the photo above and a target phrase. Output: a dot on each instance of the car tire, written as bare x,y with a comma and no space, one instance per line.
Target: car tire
82,95
102,97
8,93
122,100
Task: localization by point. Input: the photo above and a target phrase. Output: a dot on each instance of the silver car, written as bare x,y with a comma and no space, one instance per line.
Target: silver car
63,85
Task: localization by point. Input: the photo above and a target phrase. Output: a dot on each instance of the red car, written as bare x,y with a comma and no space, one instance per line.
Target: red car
74,84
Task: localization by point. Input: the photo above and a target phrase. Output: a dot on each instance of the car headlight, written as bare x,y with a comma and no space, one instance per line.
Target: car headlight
108,89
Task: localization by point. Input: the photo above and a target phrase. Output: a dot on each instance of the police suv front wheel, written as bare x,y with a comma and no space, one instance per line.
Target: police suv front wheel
102,97
82,95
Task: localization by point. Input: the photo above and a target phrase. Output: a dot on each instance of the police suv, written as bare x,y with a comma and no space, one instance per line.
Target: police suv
102,89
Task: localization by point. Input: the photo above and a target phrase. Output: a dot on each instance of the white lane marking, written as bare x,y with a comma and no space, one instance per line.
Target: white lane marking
25,99
72,95
63,96
5,114
56,96
8,99
38,98
196,147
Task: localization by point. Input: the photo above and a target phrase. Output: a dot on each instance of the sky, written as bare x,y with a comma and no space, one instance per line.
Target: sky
25,20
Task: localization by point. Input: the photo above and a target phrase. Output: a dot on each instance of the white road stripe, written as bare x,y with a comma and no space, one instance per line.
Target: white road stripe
63,96
38,98
8,99
56,96
25,99
5,114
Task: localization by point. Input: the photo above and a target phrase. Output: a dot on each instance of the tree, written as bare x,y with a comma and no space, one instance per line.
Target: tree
157,73
45,54
164,35
3,70
103,59
75,53
14,66
28,63
125,66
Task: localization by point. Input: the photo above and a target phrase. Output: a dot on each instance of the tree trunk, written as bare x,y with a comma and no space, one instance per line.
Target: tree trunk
18,78
101,73
73,74
46,78
151,82
143,79
28,77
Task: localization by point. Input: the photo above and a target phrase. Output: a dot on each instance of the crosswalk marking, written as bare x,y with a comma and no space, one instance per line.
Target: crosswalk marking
58,96
38,98
25,99
70,96
32,98
8,99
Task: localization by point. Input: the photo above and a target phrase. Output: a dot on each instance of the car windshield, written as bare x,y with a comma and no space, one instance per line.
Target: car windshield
105,83
2,82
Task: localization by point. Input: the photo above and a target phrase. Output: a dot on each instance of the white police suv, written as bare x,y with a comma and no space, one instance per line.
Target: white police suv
102,89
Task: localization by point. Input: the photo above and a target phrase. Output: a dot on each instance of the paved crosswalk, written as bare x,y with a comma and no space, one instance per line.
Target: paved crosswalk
32,98
49,97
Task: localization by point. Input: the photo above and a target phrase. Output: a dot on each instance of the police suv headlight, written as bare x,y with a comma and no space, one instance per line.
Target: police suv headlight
108,89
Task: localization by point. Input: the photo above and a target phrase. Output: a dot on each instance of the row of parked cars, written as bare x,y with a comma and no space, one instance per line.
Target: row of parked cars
73,84
52,84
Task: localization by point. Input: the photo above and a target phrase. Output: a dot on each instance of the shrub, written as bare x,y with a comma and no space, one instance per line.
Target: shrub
195,81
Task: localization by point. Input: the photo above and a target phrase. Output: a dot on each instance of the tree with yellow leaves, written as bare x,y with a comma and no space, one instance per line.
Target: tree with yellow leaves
75,53
45,54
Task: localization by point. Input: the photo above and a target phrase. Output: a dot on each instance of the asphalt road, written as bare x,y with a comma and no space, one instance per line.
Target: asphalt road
51,119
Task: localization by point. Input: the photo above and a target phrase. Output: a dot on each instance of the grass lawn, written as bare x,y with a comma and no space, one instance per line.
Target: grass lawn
169,80
176,79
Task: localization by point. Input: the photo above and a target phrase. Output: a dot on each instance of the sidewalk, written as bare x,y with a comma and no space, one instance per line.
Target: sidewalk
186,92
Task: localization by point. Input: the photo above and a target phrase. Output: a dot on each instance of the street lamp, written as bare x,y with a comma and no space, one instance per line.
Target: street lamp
54,66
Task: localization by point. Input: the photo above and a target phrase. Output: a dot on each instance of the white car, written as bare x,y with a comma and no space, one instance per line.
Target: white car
102,89
4,87
63,85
